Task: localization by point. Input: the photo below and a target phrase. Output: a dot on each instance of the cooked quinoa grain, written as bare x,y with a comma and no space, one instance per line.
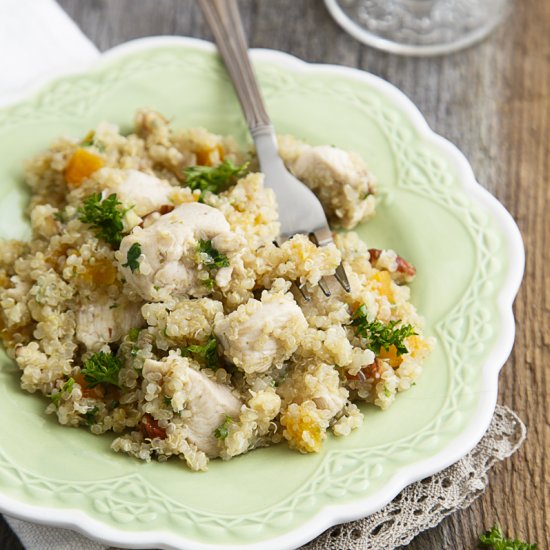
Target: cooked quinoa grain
152,302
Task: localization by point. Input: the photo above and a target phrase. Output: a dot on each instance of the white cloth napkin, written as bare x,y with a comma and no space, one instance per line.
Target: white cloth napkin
37,41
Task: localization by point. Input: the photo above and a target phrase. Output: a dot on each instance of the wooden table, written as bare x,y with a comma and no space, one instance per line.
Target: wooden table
493,101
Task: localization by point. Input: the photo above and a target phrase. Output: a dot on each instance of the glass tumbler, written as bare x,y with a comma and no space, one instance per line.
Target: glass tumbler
419,27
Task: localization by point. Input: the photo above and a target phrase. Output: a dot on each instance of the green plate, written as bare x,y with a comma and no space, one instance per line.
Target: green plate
469,257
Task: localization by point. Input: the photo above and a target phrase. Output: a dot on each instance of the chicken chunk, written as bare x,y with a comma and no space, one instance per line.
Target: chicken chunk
169,264
340,179
143,192
103,321
205,402
210,403
262,334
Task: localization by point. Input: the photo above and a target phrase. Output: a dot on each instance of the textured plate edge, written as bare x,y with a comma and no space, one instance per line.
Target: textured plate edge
328,516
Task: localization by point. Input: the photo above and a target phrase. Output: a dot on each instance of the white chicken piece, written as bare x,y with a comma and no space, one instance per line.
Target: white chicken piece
142,192
104,321
166,266
339,178
209,403
259,335
206,403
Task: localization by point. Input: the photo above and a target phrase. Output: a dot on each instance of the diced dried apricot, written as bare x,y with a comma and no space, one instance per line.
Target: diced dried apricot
302,430
391,354
210,157
383,278
101,273
82,165
96,392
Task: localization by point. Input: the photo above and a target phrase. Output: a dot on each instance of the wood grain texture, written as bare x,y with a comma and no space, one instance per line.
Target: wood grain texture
493,102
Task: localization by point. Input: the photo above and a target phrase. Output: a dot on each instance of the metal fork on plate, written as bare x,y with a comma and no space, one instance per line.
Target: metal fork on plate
299,209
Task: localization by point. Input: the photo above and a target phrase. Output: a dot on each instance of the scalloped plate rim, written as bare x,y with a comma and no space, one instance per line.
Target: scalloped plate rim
457,448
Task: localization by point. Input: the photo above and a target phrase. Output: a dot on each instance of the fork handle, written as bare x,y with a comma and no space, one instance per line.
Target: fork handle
225,23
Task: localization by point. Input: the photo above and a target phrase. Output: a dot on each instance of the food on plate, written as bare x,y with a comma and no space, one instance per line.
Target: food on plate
151,300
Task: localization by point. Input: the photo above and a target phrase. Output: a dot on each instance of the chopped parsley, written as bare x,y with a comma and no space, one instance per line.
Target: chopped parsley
105,216
387,391
102,368
60,216
114,305
134,334
381,335
132,257
221,432
114,404
495,539
90,415
209,256
90,141
208,283
67,388
214,178
208,352
167,400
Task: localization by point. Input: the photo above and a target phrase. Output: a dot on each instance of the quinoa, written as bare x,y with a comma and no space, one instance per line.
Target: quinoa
157,306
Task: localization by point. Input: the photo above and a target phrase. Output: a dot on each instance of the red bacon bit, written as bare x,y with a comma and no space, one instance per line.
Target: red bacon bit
374,254
151,429
370,372
405,268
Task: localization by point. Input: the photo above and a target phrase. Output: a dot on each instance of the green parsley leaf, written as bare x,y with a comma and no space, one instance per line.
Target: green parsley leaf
167,400
60,216
207,352
132,257
134,334
214,178
90,416
105,216
387,391
495,539
90,141
221,432
208,283
102,368
209,256
114,404
67,388
380,335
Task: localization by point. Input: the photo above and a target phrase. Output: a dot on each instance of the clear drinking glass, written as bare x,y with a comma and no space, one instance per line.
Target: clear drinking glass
419,27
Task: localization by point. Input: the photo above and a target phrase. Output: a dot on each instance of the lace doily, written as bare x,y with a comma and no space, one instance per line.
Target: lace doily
425,503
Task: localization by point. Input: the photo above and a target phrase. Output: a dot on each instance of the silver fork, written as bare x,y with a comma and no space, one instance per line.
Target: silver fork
299,209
